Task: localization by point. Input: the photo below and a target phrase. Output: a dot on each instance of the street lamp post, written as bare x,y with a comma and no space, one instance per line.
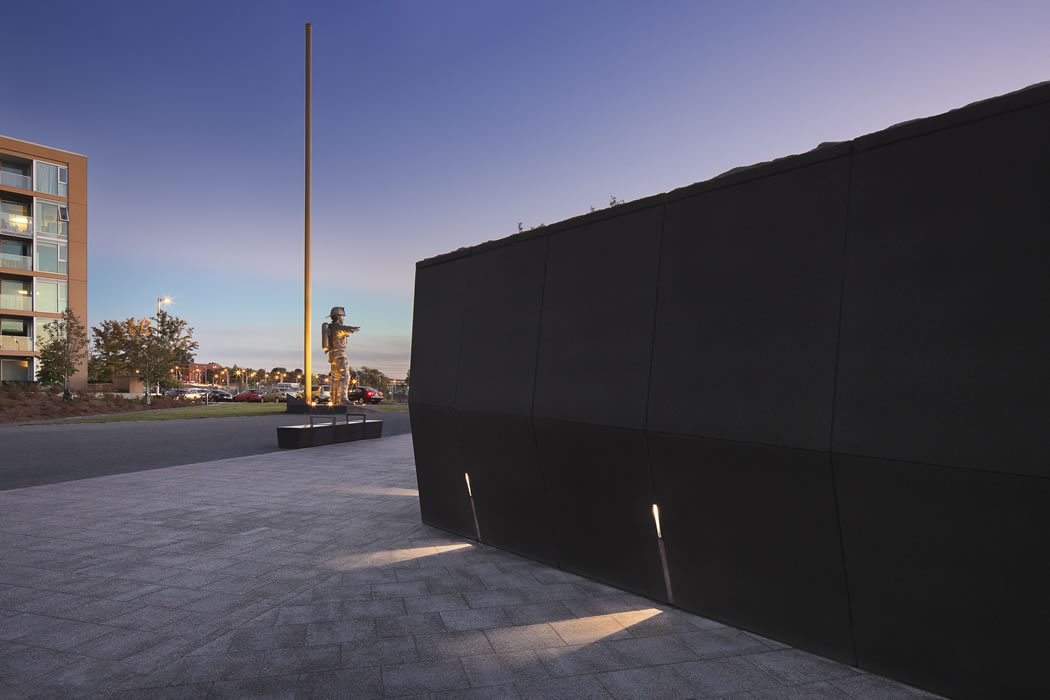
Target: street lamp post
162,300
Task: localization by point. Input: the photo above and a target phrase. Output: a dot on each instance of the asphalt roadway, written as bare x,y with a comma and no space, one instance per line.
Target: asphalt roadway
31,455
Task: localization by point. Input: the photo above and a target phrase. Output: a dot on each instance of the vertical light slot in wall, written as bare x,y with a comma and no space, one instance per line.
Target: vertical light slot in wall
663,553
470,495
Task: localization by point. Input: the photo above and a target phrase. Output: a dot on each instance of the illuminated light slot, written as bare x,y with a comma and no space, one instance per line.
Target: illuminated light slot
663,553
473,510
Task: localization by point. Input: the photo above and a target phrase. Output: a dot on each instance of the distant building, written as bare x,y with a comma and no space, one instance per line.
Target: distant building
43,250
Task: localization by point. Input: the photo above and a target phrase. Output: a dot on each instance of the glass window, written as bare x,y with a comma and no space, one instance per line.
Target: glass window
51,257
14,370
14,217
40,329
48,220
48,180
14,326
50,296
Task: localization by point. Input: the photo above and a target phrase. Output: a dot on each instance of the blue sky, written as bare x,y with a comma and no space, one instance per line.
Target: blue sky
439,124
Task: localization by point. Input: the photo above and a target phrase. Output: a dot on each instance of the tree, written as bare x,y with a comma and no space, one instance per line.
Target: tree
63,350
149,347
367,376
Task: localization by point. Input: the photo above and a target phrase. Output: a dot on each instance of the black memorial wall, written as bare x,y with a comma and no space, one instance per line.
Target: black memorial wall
828,372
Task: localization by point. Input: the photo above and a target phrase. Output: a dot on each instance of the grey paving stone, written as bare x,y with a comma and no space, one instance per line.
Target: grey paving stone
494,599
118,644
589,630
65,635
552,591
148,618
651,651
280,637
496,669
452,645
491,692
196,691
454,583
407,625
302,614
652,682
399,590
390,607
80,678
582,659
535,613
18,624
792,666
343,683
274,688
600,605
435,603
871,687
424,677
723,641
276,662
509,639
725,676
25,663
652,622
340,631
480,619
578,688
808,691
379,652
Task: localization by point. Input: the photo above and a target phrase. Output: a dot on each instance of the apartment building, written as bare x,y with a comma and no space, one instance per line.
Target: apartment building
43,250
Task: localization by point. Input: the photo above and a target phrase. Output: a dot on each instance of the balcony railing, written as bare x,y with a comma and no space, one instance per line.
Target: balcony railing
16,223
17,302
16,342
24,182
16,262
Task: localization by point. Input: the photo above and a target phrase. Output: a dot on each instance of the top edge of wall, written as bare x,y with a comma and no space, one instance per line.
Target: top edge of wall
1012,101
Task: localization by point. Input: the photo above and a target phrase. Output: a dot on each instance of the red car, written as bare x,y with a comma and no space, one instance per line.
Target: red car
250,395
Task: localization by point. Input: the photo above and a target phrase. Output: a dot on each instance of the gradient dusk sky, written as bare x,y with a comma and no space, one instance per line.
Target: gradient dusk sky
440,124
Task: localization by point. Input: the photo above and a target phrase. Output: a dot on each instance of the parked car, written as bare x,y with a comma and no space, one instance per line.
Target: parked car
249,395
322,394
188,394
219,395
364,394
277,395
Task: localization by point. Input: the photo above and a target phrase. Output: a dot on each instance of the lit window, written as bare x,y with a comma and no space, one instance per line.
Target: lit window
49,219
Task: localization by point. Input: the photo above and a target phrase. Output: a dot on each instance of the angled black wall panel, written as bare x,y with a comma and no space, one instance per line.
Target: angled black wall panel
591,386
601,494
437,324
945,337
501,328
496,379
437,321
511,494
748,310
443,500
596,335
948,573
752,539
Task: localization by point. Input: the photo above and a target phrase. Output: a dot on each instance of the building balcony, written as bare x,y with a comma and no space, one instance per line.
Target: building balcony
16,302
16,223
16,342
16,262
23,182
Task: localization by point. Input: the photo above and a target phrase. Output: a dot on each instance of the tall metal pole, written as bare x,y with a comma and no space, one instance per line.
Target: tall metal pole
306,277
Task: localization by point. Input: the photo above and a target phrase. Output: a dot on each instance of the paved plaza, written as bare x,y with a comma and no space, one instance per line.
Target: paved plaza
308,574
